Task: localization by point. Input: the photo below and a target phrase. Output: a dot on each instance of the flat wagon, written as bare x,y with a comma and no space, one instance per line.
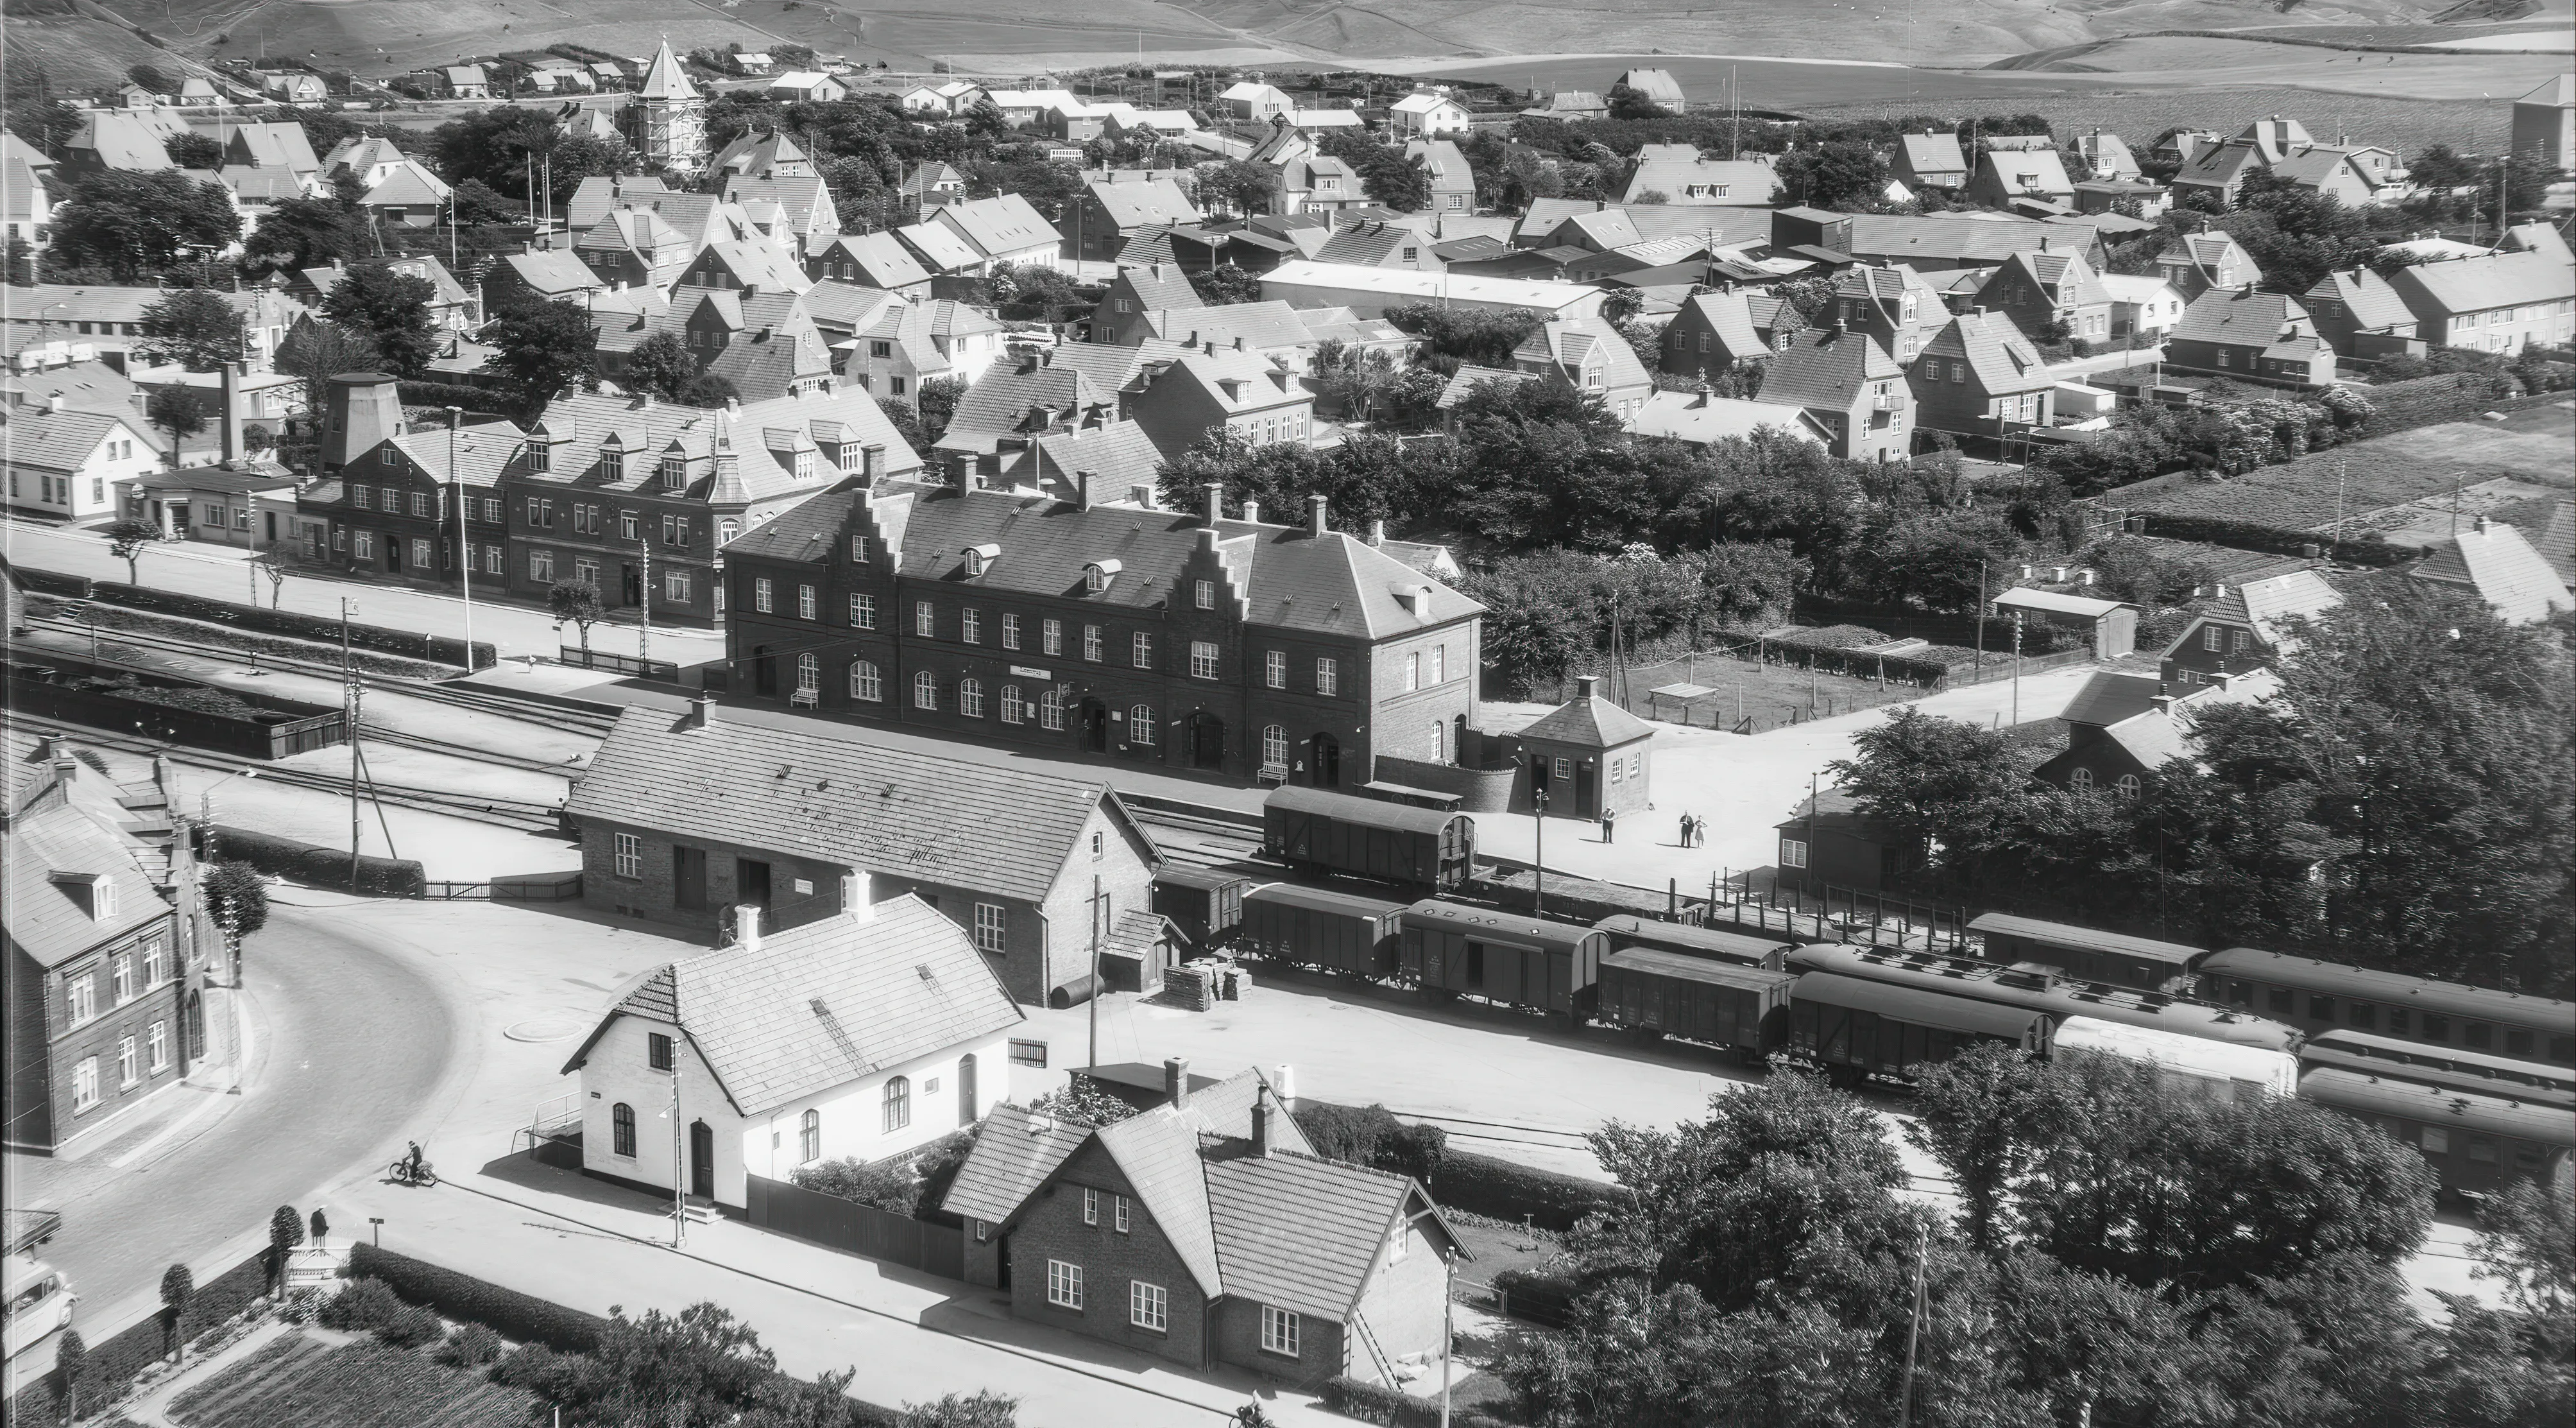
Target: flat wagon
1314,831
1507,957
1854,1028
2478,1144
1709,944
2360,1051
1744,1009
1316,927
1205,904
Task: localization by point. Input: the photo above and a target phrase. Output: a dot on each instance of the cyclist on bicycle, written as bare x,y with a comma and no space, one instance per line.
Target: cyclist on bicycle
411,1163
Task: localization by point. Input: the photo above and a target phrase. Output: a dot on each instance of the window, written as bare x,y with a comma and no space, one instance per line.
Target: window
1278,1332
764,595
1014,710
1793,853
1203,659
1439,663
2212,638
970,626
83,998
630,855
158,1045
1328,676
1064,1284
628,529
1051,710
970,698
804,602
2128,785
863,612
129,1062
925,621
492,559
1146,1305
1140,650
1090,1206
621,1129
121,971
1119,1205
1010,632
1091,643
809,1138
156,962
898,1104
2478,1035
2361,1014
990,926
866,684
1440,747
675,587
925,690
2437,1141
2079,778
1274,746
858,549
85,1084
1051,637
809,674
1095,578
367,551
420,503
1274,669
898,386
1140,726
2280,1000
2321,1008
364,497
657,1051
2517,1041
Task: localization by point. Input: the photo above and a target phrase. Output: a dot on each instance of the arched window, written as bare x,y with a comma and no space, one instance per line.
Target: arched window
925,690
2079,778
1014,710
621,1129
898,1104
1274,746
866,683
1140,725
809,1138
809,674
1051,710
2128,785
970,698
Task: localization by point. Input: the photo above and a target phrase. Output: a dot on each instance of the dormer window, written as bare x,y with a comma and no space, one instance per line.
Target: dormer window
980,558
1097,575
805,465
541,456
675,472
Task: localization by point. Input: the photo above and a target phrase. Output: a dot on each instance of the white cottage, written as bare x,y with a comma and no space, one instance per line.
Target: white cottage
869,1034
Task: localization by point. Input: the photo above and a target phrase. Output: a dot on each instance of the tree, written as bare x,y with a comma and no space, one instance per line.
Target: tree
957,1410
71,1366
1081,1102
499,147
474,202
547,348
392,308
1225,284
709,389
1238,186
1396,181
300,233
236,897
285,1232
936,400
139,224
314,351
1628,104
1921,774
660,364
178,1290
1842,176
576,603
698,1366
321,1224
194,328
126,539
178,411
193,150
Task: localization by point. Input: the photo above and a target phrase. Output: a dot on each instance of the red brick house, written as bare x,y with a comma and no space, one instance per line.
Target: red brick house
1980,376
1206,1231
392,494
1715,331
2043,288
1243,648
1851,386
2245,628
2256,336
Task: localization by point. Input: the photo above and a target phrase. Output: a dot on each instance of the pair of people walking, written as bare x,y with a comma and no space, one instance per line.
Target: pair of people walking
1694,831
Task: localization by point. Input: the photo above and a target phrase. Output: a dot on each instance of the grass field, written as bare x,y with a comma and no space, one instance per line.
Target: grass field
2373,484
298,1380
2406,125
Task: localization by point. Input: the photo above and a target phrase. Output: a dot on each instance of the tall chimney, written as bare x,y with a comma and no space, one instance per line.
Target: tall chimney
1315,514
1176,1082
229,385
1285,1083
1082,490
872,462
1261,1113
1215,493
746,926
702,715
1377,532
1586,685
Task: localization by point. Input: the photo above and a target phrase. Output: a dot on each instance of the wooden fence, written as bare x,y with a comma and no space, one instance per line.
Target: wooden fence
580,658
853,1228
561,887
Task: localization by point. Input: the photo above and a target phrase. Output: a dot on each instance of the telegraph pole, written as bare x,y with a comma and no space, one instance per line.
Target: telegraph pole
2016,668
1095,970
679,1160
464,534
349,721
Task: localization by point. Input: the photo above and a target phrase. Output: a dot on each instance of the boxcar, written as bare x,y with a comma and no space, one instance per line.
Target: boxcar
1508,957
2330,996
1312,830
1206,904
2085,953
2038,991
1745,1009
2369,1055
2478,1144
1316,928
1706,943
1852,1027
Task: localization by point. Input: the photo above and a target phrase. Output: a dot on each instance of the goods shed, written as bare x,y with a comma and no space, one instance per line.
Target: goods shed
2110,625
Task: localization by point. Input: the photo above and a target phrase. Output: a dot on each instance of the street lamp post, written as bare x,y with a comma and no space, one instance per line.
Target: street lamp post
1538,851
464,534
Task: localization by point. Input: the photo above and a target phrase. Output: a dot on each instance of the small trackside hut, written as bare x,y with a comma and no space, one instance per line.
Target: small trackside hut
1318,832
1856,1029
1510,958
1316,927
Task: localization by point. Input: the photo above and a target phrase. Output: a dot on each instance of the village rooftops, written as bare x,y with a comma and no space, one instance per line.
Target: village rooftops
598,441
2502,568
2002,359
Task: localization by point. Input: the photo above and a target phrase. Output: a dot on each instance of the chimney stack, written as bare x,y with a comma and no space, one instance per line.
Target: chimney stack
1082,490
1377,532
1315,514
1285,1083
1215,493
746,926
1251,512
872,463
2482,524
1176,1082
1586,686
1261,1113
229,417
702,715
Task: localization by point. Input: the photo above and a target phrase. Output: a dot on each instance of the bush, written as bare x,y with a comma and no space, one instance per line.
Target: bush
1372,1403
1372,1136
536,1368
1483,1185
111,1364
1539,1295
362,1306
887,1185
323,867
411,1327
471,1346
523,1317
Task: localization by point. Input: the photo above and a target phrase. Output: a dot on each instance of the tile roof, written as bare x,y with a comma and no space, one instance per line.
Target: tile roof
940,249
1118,456
798,196
1139,205
2002,360
2064,278
581,425
1678,172
998,227
1927,154
1730,315
1368,244
1017,395
881,259
827,1003
1259,326
1591,722
2367,297
1463,382
1160,287
1299,277
2220,258
2503,569
1567,344
1688,416
2463,285
2034,173
1013,1156
65,440
52,829
599,195
554,273
1946,239
1301,1232
2243,317
2109,696
1114,368
1159,1152
482,452
814,791
1821,367
2266,605
2557,543
87,386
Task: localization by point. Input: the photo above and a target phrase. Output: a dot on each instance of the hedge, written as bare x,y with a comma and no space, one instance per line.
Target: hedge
115,1362
2368,549
484,400
1537,1295
277,622
1505,1190
1375,1403
322,867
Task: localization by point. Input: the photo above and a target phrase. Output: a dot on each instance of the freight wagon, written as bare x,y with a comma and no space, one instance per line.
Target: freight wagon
1743,1009
1855,1029
1313,832
2478,1144
1707,943
2329,996
1204,904
2038,991
1314,927
2360,1051
1506,957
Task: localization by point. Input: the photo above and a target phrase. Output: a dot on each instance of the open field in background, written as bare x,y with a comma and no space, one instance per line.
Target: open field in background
2193,59
2406,125
2394,482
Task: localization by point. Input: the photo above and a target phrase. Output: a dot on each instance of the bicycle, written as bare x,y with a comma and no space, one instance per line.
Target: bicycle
402,1173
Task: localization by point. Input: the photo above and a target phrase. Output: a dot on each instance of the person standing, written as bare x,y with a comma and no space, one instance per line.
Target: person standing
1609,826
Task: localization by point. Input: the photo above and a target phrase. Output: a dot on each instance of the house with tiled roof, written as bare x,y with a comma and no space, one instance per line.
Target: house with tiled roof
2197,262
1446,176
2219,171
1596,757
874,260
1319,183
550,275
398,493
2495,302
1020,395
1684,177
2495,562
2045,289
26,198
1952,240
2142,304
272,145
765,343
291,86
864,1035
1427,113
1570,105
1135,295
1980,376
452,307
1003,229
1712,332
749,266
1107,630
1655,86
2118,754
924,341
1254,397
1271,330
64,463
2266,337
1929,160
463,81
2355,175
123,140
938,249
762,154
2106,156
805,219
841,311
1205,1231
1036,424
2245,627
1111,214
2362,315
109,954
1852,388
1892,304
2004,176
596,197
1590,357
1703,419
1365,243
635,248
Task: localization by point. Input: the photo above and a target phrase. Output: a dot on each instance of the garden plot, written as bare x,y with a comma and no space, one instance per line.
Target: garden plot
299,1379
2369,479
